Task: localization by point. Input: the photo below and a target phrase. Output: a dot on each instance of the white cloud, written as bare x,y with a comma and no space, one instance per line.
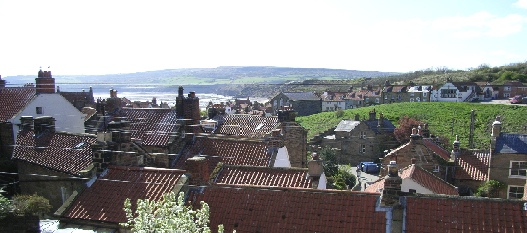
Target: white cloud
480,24
521,4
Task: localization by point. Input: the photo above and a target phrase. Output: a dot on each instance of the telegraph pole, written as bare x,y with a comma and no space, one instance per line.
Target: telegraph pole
471,134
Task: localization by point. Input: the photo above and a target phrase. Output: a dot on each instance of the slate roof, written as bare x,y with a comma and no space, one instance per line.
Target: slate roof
62,152
152,125
473,165
420,176
296,96
388,127
347,125
13,100
263,176
291,210
447,214
252,126
228,151
104,200
508,143
78,96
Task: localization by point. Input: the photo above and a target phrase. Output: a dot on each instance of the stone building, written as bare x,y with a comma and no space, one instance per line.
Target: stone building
52,164
360,140
508,161
305,103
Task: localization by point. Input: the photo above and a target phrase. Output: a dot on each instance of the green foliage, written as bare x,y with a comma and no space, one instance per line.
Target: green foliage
5,206
30,204
170,214
445,119
490,189
339,113
330,161
347,176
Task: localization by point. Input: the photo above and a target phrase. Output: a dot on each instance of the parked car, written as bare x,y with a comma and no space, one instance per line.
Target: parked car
516,99
369,167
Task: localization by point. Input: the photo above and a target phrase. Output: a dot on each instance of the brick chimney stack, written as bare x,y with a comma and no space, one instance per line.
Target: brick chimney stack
456,150
380,123
45,83
496,131
198,169
373,115
315,170
392,186
2,82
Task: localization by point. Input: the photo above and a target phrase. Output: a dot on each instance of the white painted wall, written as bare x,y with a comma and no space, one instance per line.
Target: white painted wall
67,117
459,96
331,105
411,184
282,158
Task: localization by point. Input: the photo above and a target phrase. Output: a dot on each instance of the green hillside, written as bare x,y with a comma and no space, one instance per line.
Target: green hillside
444,119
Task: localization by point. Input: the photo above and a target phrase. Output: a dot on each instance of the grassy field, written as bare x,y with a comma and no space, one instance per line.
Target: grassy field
444,119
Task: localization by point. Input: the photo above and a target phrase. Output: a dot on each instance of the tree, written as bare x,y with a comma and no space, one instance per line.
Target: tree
24,205
169,214
330,161
347,176
404,130
490,189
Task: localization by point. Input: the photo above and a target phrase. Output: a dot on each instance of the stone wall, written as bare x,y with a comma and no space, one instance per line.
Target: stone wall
307,107
54,186
500,170
295,140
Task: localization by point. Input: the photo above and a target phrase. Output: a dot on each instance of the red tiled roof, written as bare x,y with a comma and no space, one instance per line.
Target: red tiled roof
104,200
473,166
152,125
292,210
376,187
438,150
436,214
228,151
13,100
63,152
263,176
252,126
428,180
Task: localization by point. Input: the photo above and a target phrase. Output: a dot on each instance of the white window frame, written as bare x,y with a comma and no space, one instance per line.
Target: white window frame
508,88
363,148
376,100
518,168
436,168
506,95
425,94
519,192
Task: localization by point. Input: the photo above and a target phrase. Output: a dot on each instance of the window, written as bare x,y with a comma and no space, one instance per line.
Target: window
436,168
362,135
398,97
367,99
425,94
39,110
376,100
507,88
411,99
518,168
515,192
363,148
418,99
506,95
412,94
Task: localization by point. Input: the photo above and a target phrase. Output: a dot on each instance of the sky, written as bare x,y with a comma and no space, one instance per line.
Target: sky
110,37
